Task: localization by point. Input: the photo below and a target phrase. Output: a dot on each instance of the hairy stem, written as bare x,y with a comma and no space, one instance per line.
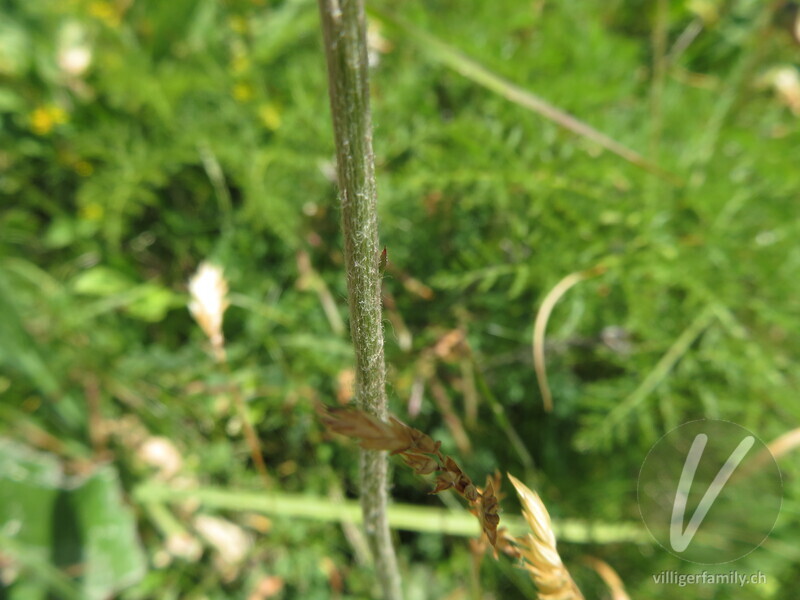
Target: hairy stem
343,26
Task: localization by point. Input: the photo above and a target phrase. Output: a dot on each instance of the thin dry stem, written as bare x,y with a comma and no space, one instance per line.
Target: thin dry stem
540,325
250,433
785,443
609,576
777,448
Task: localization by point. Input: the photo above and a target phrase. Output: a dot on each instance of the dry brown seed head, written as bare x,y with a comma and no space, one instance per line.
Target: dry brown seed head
471,493
488,513
444,481
420,452
456,476
373,433
538,549
462,484
422,465
423,442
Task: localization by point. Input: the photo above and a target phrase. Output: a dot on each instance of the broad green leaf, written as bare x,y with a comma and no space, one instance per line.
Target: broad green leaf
14,48
112,553
29,484
152,303
101,281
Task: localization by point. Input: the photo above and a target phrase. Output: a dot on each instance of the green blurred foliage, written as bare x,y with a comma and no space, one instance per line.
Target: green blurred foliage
138,139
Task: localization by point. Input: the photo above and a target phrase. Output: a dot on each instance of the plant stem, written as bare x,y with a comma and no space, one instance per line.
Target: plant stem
406,517
250,434
344,31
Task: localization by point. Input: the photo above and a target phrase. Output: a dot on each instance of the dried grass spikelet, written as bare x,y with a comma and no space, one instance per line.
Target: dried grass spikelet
420,452
538,549
208,289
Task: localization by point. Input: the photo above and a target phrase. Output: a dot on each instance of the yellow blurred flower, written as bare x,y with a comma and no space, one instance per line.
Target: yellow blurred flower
238,24
240,64
270,116
707,10
105,12
45,118
243,92
92,212
83,168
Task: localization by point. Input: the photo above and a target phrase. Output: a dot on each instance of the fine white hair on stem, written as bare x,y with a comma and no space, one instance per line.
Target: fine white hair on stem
208,290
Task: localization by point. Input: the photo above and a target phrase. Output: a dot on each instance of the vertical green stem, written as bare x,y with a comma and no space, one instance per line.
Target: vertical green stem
344,30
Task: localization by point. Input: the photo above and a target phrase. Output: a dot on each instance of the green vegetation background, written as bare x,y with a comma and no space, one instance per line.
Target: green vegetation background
199,130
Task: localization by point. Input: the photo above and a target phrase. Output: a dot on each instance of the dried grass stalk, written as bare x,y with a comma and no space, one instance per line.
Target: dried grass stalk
538,549
540,325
